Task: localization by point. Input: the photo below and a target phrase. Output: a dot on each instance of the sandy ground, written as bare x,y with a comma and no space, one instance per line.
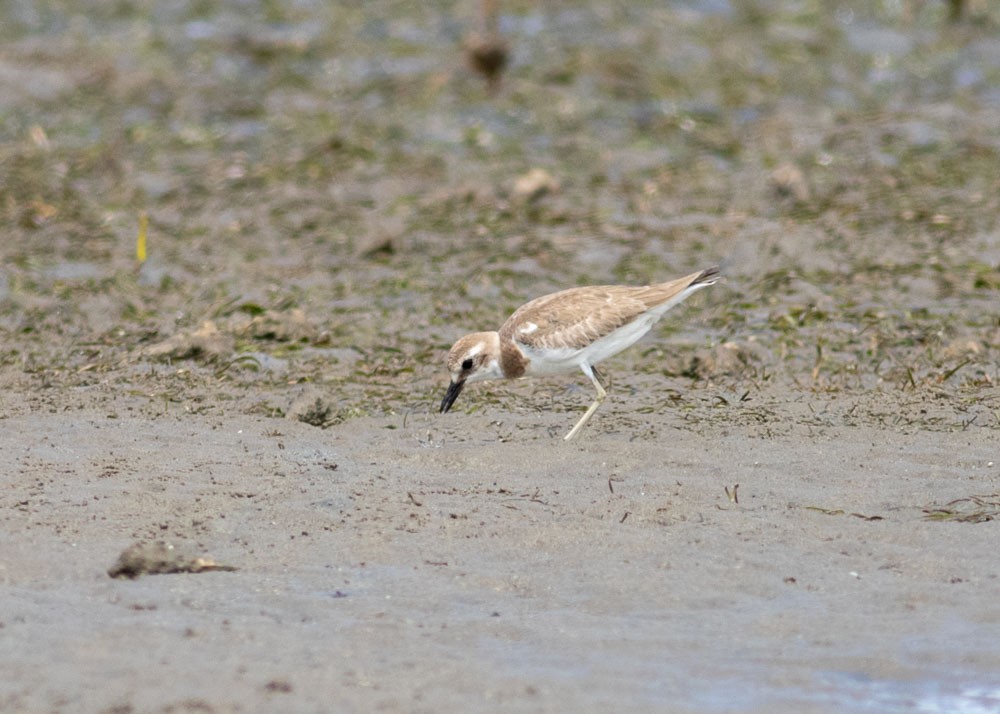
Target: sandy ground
238,239
433,567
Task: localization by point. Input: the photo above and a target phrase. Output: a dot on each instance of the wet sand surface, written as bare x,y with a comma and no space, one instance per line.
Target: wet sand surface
789,501
400,568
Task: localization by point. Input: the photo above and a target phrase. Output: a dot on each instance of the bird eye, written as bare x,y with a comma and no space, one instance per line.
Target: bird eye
467,364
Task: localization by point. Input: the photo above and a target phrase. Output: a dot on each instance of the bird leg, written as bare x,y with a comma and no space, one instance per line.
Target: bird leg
600,385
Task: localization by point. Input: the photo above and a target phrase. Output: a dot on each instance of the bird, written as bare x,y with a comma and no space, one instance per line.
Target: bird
567,330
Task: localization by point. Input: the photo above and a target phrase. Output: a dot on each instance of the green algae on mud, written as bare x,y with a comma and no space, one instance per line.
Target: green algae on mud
325,160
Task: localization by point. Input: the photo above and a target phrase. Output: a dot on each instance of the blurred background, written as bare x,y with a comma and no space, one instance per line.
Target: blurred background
212,202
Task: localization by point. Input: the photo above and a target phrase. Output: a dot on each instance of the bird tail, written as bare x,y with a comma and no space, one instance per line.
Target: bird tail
707,276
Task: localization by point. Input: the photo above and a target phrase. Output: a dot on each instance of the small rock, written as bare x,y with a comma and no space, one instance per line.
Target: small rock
534,184
961,348
726,358
788,181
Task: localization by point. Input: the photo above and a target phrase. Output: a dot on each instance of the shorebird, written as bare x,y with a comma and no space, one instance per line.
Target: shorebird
570,329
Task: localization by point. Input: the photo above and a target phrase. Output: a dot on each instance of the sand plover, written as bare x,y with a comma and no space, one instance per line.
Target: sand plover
575,328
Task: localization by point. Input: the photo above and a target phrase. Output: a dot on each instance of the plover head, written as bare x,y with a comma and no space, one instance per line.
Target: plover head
471,359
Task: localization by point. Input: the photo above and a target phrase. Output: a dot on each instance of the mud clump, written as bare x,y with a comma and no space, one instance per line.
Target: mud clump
206,343
160,558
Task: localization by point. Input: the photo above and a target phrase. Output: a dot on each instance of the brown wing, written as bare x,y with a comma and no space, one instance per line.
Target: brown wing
572,318
576,317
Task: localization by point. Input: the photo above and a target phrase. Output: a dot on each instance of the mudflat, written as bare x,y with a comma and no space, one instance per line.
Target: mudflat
238,244
431,567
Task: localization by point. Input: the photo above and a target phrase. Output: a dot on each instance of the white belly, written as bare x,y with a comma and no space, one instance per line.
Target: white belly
568,359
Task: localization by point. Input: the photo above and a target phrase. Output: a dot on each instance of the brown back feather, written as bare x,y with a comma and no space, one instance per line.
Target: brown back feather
576,317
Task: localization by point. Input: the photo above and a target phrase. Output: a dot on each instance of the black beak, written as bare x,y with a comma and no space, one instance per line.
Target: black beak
454,389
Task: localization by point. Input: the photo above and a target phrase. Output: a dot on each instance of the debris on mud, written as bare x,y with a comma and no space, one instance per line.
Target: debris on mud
206,343
157,558
974,509
312,407
534,184
278,325
788,181
728,358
